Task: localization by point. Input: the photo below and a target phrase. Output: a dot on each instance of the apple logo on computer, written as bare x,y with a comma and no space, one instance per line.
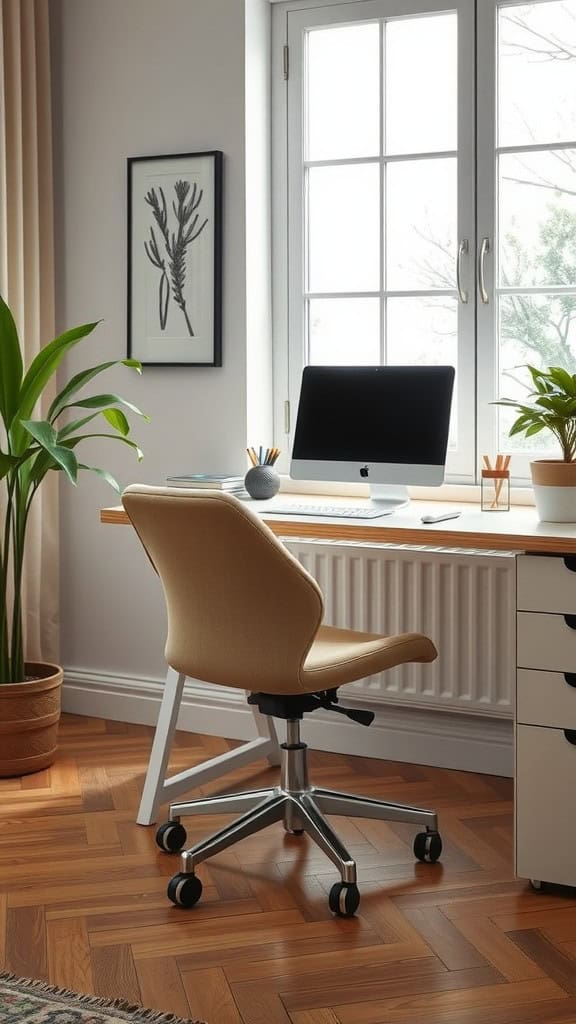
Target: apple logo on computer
364,471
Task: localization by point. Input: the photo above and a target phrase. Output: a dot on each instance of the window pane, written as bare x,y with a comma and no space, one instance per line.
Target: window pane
421,84
536,329
344,332
343,92
421,206
424,332
537,73
343,225
538,219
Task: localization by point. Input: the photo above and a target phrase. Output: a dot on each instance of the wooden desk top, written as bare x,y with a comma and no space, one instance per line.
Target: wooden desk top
517,530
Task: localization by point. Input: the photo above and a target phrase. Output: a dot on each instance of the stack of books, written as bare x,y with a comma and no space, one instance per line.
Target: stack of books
210,481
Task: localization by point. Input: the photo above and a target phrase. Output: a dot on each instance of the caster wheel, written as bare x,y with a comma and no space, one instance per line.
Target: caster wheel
344,899
536,884
184,890
171,837
428,847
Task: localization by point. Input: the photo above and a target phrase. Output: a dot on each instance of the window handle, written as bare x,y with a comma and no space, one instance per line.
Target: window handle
462,251
484,248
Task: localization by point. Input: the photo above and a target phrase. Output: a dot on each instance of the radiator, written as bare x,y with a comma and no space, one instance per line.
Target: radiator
465,601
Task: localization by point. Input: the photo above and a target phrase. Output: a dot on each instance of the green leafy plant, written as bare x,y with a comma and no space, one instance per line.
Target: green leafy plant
30,448
551,406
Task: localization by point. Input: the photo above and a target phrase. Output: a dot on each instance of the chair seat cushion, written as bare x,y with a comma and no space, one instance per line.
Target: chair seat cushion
340,656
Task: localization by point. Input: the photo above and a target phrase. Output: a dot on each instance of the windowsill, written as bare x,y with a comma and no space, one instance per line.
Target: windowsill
447,492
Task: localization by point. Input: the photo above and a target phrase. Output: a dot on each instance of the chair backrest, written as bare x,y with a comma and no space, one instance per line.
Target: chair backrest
241,610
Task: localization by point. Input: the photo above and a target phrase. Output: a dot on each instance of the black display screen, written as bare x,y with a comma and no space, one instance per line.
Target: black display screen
394,414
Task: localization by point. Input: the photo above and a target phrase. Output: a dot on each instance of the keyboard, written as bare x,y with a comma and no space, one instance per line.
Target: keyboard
332,511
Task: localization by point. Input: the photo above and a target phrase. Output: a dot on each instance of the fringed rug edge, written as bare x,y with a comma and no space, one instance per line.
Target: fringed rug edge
131,1011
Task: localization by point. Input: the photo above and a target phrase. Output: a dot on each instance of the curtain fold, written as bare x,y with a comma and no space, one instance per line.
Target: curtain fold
27,269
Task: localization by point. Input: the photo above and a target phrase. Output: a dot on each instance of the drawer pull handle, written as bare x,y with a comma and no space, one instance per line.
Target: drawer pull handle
570,562
570,620
570,735
570,678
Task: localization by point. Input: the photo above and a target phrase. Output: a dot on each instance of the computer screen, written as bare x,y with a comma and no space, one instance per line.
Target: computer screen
378,424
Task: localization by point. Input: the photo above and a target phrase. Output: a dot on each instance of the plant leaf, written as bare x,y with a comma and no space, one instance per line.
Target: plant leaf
10,365
117,419
7,462
562,379
105,476
69,428
35,471
42,367
45,435
98,401
71,442
80,379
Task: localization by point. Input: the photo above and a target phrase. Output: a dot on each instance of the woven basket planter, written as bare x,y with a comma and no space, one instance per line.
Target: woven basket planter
29,716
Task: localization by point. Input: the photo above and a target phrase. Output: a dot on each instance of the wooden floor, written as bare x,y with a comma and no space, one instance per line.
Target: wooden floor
82,900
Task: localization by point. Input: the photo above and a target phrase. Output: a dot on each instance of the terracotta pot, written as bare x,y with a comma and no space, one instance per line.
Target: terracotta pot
554,484
29,716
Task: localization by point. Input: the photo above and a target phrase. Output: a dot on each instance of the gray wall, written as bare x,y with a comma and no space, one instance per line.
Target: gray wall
138,77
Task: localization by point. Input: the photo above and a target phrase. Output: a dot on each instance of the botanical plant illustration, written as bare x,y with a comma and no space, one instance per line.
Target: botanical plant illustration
171,259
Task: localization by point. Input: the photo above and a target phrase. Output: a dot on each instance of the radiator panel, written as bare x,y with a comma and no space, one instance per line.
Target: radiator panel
464,601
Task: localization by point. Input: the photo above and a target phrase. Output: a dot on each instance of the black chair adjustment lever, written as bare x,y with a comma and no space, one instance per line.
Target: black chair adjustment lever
356,715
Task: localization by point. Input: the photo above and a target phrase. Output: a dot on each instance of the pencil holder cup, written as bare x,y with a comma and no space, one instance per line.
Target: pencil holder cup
262,482
495,490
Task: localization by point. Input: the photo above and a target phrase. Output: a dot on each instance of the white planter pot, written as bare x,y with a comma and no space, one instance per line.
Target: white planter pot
554,485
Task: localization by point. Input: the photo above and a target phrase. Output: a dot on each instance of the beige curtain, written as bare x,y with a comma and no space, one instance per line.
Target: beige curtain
27,267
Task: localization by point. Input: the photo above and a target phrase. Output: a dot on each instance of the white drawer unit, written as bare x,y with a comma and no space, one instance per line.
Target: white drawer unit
546,698
546,641
546,583
545,804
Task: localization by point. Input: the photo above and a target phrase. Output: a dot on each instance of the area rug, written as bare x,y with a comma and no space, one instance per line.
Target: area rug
23,1001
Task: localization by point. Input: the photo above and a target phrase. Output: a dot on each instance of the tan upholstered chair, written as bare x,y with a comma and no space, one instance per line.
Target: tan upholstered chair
243,612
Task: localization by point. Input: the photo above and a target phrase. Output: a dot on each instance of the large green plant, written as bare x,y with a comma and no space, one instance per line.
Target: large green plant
551,406
30,448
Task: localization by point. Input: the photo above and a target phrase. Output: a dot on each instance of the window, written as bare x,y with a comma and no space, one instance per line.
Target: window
527,202
428,217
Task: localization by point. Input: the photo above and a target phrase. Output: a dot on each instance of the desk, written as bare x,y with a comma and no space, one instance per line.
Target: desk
545,710
517,530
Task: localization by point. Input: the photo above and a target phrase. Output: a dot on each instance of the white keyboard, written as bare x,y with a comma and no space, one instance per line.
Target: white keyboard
332,511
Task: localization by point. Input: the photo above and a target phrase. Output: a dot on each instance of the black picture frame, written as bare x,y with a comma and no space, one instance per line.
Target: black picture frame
174,315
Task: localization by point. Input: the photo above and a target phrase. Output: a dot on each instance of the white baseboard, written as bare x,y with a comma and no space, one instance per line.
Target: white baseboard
399,733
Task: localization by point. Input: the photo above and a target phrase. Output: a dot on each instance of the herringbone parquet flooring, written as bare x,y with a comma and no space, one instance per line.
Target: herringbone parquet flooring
82,900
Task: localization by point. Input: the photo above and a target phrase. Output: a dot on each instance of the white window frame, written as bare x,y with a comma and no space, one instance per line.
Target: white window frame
291,20
487,226
478,364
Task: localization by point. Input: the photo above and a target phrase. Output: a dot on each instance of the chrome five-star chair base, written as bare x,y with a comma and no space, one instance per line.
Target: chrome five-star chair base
301,807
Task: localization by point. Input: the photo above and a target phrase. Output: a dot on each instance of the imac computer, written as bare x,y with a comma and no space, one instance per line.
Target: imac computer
386,426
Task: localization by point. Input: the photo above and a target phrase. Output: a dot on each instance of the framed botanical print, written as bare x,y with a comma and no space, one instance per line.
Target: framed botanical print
175,259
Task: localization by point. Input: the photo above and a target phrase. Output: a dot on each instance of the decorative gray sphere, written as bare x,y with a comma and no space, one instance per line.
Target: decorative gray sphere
262,482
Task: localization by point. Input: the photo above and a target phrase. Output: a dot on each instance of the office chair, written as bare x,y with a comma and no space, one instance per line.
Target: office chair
243,612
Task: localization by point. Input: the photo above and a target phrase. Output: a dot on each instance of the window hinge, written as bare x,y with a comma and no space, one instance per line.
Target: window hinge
285,61
286,417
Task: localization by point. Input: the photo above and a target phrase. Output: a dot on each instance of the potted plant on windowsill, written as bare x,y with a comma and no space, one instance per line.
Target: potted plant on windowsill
29,449
551,406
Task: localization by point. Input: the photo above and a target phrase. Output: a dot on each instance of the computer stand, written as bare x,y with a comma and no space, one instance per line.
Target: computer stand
389,498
